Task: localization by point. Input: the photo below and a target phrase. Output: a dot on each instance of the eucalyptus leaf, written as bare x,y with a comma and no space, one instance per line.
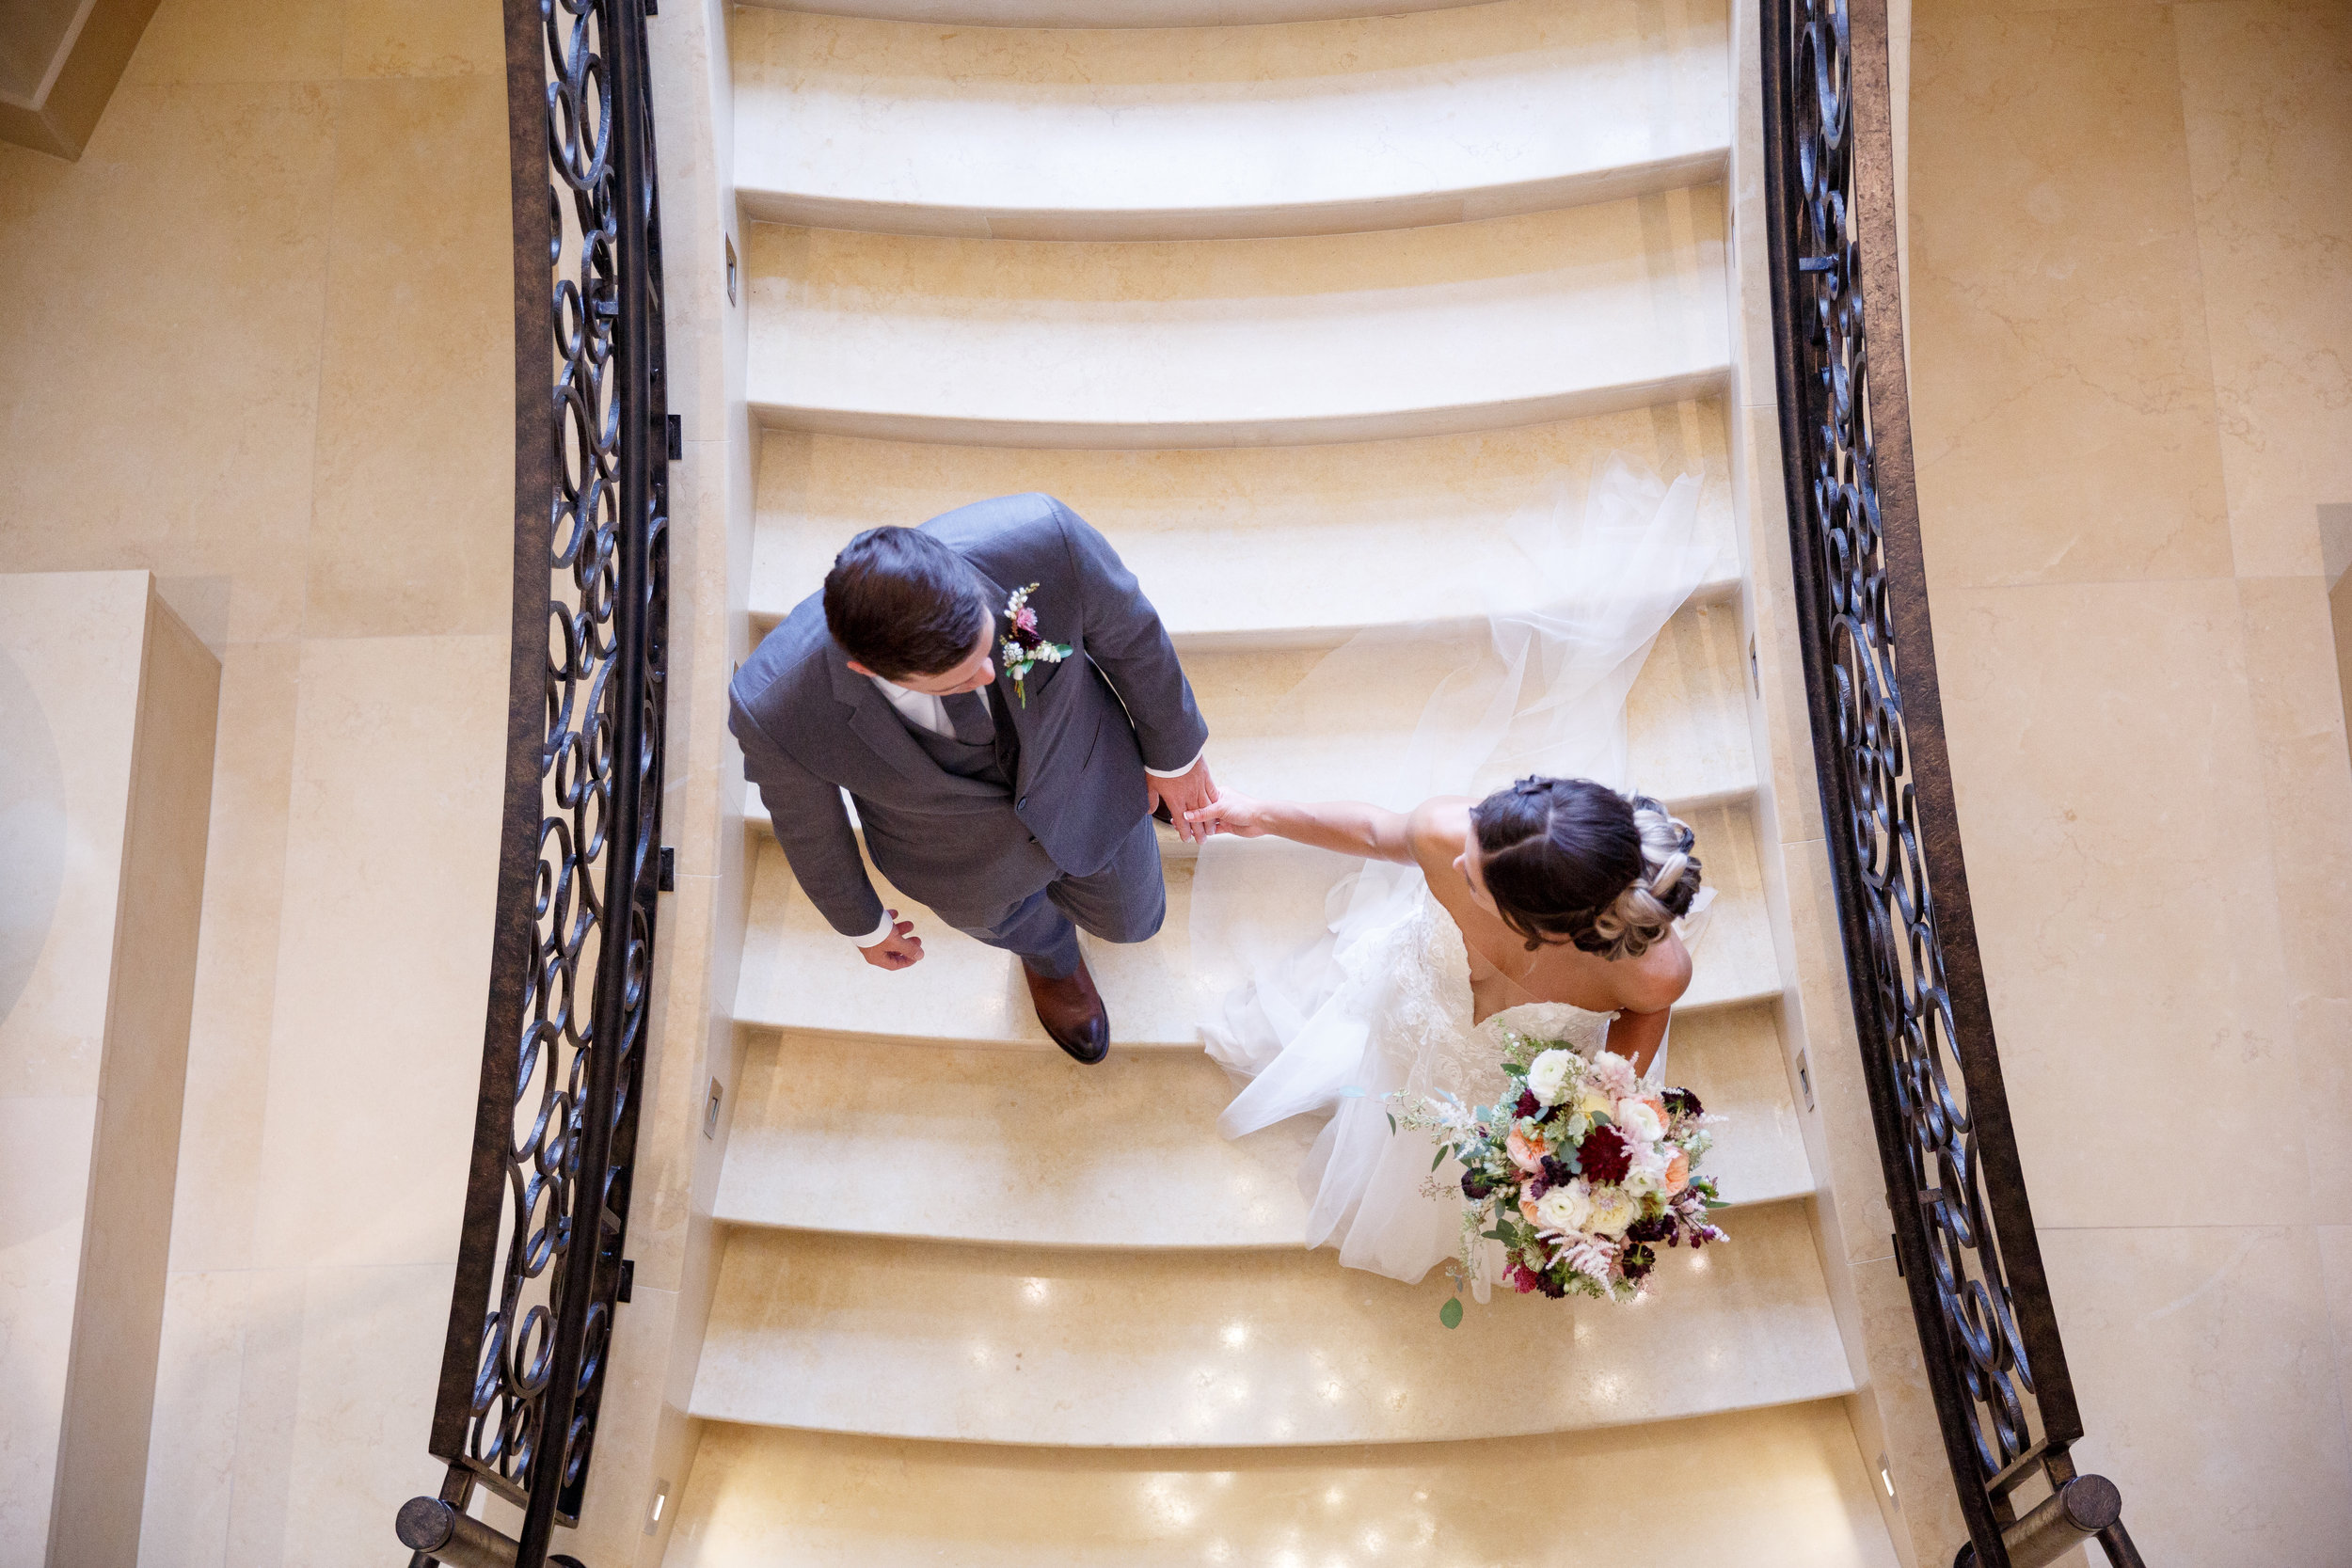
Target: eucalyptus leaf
1391,1121
1450,1313
1442,1152
1711,1203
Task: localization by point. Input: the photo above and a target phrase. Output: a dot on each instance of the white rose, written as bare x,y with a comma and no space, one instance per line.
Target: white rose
1614,1209
1565,1208
1549,1075
1648,1173
1637,1118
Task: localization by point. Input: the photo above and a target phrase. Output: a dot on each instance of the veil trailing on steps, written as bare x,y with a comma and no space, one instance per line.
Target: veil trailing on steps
1329,1022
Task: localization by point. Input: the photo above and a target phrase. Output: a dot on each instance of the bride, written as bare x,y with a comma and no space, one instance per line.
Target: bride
1555,905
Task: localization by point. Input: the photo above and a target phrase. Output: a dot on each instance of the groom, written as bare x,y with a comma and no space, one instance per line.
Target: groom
1012,813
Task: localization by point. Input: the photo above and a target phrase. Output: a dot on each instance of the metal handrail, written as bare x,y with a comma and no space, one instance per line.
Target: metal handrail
541,1268
1964,1237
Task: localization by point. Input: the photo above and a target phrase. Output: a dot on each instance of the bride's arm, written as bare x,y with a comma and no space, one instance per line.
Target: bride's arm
1638,1036
1348,827
1648,989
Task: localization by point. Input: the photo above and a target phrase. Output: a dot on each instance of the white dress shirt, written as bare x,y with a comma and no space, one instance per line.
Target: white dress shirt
925,711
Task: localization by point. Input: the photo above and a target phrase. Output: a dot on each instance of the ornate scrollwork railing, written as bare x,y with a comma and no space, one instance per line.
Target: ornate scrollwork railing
1963,1228
540,1270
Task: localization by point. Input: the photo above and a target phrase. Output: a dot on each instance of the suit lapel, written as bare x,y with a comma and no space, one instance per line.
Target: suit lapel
877,724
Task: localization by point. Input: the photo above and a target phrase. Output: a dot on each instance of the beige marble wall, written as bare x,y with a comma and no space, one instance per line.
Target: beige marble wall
2131,253
268,305
107,702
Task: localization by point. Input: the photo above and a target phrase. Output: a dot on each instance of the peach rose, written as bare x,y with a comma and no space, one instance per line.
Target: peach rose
1526,1152
1677,1173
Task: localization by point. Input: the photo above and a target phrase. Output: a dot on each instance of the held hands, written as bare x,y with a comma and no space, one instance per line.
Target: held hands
1185,795
1232,811
900,949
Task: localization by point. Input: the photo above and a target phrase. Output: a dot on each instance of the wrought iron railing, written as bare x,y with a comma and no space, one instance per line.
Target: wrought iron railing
1963,1229
540,1270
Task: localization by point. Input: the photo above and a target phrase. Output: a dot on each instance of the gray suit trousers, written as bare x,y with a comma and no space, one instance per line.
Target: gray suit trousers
1125,901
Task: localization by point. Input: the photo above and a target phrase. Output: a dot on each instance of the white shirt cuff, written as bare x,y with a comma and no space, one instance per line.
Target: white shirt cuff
1179,772
879,933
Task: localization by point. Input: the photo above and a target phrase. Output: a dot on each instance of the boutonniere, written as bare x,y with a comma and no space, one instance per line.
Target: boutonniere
1024,649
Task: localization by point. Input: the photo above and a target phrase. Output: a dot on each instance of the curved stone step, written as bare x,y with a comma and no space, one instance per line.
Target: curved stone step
1778,1488
814,1119
1110,13
801,976
1067,1347
1252,547
1240,342
1195,133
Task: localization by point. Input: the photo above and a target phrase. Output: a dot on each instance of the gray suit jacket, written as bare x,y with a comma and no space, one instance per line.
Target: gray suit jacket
811,728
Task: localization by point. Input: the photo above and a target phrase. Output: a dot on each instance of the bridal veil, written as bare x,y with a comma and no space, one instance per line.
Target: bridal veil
1329,1022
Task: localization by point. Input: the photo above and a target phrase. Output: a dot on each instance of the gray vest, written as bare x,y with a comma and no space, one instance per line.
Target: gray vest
992,761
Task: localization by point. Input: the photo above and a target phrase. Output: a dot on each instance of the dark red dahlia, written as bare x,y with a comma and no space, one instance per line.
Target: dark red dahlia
1557,1172
1681,1103
1476,1184
1528,1105
1521,1281
1604,1155
1553,1282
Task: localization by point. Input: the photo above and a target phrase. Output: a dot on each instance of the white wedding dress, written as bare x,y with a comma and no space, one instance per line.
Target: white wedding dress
1379,1001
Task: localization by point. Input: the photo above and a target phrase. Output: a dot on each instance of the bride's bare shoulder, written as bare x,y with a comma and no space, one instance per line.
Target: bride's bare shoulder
1657,979
1438,827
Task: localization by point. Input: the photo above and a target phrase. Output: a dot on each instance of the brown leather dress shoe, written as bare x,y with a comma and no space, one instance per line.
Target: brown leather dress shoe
1072,1010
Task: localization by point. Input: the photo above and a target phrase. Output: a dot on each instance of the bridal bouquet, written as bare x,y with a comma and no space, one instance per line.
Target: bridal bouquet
1581,1171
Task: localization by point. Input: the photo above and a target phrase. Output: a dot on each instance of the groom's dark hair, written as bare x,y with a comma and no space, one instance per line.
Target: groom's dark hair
901,603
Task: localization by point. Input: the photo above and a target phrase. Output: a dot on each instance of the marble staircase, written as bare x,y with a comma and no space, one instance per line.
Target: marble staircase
1307,311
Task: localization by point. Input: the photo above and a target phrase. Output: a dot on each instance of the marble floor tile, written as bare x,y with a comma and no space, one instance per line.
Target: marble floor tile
2105,761
391,854
2297,711
421,38
171,427
192,1453
2060,383
2266,93
2335,1274
2209,1389
240,40
370,1355
412,530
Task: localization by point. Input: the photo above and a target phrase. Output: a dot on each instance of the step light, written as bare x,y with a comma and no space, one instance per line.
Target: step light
660,1497
1886,1479
710,1109
1804,1080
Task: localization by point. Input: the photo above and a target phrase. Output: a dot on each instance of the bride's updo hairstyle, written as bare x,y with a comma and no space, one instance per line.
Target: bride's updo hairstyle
1568,860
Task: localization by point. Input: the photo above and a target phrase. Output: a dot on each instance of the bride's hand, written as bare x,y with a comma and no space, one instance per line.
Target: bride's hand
1234,813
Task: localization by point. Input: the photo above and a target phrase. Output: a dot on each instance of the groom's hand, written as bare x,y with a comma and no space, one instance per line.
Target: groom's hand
1185,792
900,949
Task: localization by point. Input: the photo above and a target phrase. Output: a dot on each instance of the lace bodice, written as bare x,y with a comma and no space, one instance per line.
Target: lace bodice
1425,1027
